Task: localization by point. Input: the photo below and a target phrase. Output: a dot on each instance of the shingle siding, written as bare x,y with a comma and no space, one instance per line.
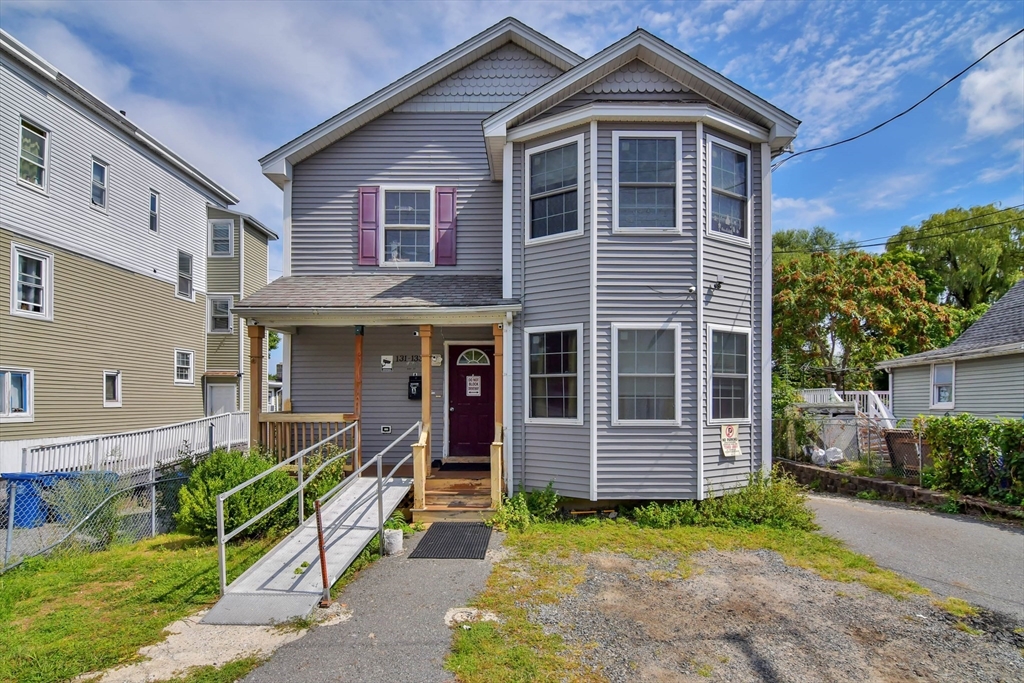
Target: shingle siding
986,387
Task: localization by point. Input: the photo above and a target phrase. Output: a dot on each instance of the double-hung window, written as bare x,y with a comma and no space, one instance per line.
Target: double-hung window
555,196
31,283
220,315
154,210
222,237
112,389
183,366
408,226
32,160
16,388
99,184
554,374
646,373
729,187
185,275
646,181
730,375
942,386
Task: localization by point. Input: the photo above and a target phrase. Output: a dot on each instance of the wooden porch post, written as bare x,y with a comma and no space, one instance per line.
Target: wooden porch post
426,332
497,445
256,335
358,391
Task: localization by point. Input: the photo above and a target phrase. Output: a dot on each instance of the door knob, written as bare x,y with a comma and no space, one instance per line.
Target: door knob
451,409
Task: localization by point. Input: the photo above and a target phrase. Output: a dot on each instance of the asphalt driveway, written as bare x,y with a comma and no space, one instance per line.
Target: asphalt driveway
952,555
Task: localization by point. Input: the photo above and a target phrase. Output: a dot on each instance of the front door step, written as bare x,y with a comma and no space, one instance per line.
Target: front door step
458,499
469,459
431,514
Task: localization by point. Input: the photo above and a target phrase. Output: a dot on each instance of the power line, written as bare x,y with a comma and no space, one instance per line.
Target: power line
779,163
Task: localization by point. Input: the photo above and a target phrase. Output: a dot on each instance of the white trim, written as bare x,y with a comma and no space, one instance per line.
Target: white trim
932,405
107,403
676,393
286,228
508,437
48,262
765,197
506,223
44,189
383,227
748,227
278,318
96,161
191,276
150,212
192,368
30,414
210,298
231,237
949,354
579,140
447,407
578,420
713,327
592,179
699,301
676,135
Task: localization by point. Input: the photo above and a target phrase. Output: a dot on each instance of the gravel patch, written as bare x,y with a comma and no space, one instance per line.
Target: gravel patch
747,616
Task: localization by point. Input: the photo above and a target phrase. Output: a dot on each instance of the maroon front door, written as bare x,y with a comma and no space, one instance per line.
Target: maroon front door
470,400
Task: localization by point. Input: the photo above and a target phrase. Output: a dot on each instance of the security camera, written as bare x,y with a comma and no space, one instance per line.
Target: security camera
415,333
691,289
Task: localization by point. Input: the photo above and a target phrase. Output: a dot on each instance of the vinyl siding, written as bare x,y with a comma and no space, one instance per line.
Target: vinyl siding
255,275
986,387
223,271
222,349
63,216
323,377
70,353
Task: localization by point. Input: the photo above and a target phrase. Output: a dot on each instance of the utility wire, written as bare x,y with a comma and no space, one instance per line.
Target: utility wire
779,163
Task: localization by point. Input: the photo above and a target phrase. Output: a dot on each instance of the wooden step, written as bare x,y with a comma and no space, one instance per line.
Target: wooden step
466,484
431,514
457,499
470,459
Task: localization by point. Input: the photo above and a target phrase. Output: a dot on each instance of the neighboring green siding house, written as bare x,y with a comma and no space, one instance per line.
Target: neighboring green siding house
981,373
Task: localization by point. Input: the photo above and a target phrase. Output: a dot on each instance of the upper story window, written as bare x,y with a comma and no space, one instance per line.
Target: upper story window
220,315
112,389
16,387
729,187
32,162
185,275
646,181
407,226
730,375
646,372
31,283
183,366
554,374
222,237
555,206
99,184
942,385
154,210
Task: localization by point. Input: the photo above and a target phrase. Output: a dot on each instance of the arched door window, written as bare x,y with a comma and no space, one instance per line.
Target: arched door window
473,357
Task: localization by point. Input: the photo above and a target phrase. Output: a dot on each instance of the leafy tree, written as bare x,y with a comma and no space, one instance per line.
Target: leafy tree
799,244
977,253
273,340
835,316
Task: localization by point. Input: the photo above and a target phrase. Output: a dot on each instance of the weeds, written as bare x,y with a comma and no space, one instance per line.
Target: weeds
524,509
957,607
869,495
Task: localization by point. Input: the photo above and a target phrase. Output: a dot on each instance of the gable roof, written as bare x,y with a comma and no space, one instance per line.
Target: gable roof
999,331
270,234
276,164
29,59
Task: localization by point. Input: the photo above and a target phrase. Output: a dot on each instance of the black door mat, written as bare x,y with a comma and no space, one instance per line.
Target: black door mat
453,541
465,467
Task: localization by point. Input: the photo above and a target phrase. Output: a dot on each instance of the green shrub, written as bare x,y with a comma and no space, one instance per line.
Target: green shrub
657,515
221,471
521,510
331,476
791,430
975,456
72,500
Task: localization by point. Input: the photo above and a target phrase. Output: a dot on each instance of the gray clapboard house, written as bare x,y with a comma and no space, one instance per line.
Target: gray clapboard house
558,265
981,373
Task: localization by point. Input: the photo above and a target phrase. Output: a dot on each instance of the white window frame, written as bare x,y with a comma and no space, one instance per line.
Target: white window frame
108,403
932,404
383,226
192,368
44,188
710,370
210,298
154,194
231,237
47,259
96,161
191,279
706,173
580,389
30,414
676,330
662,134
580,189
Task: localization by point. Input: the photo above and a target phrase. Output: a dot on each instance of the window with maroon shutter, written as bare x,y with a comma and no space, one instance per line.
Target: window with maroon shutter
446,202
368,225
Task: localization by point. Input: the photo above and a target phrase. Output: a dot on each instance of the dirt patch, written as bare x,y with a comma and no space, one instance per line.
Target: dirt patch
747,616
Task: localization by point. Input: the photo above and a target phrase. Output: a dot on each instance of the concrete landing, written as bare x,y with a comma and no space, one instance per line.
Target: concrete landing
272,592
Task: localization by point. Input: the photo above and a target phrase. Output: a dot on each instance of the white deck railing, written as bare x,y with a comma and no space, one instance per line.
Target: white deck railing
874,404
142,450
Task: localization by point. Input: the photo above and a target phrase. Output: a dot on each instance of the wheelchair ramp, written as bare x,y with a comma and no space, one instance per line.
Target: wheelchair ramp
278,588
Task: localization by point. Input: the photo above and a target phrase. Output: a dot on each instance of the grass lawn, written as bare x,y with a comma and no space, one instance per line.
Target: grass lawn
70,615
546,567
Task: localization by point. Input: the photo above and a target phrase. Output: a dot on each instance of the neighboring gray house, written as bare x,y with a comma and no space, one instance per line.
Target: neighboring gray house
560,265
981,373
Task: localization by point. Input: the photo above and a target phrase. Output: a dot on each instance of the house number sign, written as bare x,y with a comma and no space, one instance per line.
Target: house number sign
731,441
473,385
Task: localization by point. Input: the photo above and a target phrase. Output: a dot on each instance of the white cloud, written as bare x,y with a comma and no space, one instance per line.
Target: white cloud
892,192
993,93
995,174
792,212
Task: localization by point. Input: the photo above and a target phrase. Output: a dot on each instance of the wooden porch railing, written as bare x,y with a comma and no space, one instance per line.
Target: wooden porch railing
285,434
497,448
420,469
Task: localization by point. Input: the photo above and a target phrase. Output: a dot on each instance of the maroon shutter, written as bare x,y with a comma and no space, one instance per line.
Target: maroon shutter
445,248
368,222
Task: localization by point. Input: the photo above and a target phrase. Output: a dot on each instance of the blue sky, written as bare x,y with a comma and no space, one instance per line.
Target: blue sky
224,83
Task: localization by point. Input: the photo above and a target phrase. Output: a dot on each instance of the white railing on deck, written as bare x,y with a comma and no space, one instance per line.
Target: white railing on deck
142,450
874,404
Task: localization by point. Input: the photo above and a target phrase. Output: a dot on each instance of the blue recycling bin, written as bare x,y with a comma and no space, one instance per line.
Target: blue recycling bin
25,495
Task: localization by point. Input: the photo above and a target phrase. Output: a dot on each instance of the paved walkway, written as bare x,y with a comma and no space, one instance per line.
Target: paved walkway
952,555
397,631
